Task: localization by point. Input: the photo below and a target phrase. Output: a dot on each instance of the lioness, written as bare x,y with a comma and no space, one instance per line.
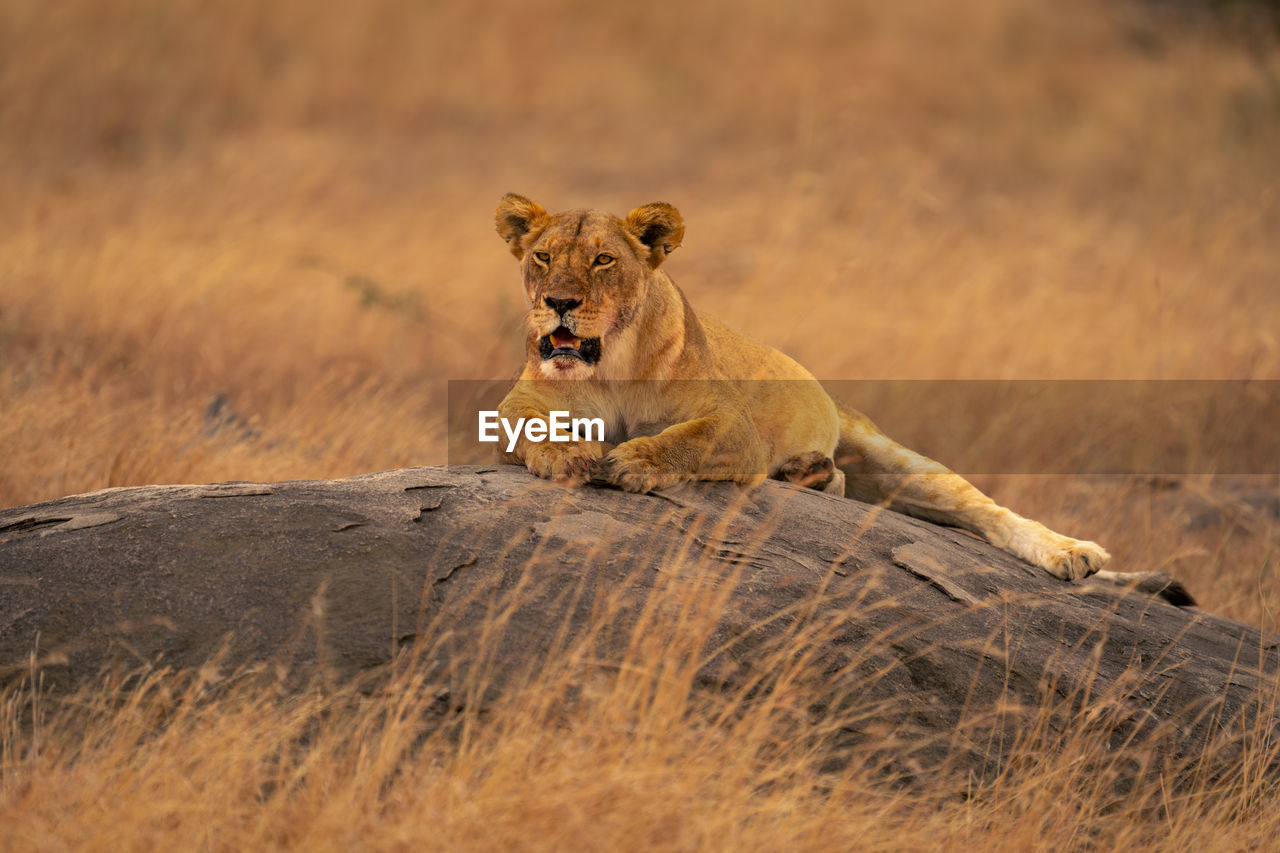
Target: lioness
611,336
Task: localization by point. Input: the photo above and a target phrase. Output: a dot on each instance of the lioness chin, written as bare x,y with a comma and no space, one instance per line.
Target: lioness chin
611,336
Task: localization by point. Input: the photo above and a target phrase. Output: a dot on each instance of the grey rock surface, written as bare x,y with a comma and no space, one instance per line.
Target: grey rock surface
908,628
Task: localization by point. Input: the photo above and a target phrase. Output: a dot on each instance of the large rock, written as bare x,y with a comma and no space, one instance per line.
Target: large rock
903,630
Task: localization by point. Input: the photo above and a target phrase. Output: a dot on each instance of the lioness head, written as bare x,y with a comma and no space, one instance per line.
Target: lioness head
586,274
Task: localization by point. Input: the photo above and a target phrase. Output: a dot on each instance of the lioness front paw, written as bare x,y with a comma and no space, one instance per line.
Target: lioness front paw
1073,559
635,466
567,464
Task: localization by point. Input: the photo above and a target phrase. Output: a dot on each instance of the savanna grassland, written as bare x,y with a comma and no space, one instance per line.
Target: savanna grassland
254,241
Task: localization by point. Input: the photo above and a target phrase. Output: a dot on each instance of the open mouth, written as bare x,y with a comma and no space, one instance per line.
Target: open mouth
563,342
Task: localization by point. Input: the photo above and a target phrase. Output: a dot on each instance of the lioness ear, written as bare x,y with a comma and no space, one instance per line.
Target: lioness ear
516,217
658,226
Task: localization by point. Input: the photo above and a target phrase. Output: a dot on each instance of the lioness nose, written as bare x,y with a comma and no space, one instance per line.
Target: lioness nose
560,306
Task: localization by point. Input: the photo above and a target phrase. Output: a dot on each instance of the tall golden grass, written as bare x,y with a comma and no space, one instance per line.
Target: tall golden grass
287,207
612,747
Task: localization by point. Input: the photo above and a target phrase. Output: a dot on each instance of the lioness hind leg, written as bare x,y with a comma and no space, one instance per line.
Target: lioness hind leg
947,498
814,469
1061,556
879,470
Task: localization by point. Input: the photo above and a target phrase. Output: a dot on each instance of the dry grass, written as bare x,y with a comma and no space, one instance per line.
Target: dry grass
617,752
290,207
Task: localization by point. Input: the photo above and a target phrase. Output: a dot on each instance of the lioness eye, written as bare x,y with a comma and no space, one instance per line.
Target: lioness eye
542,257
603,260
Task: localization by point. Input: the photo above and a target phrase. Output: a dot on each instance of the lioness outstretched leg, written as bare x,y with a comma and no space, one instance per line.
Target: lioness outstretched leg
879,470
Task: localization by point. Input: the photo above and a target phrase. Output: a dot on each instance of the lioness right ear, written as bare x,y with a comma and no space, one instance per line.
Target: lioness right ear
516,217
659,226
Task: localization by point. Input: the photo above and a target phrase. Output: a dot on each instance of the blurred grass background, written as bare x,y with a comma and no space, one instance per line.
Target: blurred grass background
254,241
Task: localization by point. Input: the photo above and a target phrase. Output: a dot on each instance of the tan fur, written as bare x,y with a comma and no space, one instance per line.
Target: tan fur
683,398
